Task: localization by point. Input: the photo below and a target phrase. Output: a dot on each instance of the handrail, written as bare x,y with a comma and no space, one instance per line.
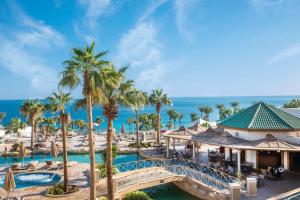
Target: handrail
199,171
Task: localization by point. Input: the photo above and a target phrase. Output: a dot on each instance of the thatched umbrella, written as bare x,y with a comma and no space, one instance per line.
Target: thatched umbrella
123,130
9,182
54,149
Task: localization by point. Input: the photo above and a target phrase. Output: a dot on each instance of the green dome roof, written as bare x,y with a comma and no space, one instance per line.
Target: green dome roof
262,116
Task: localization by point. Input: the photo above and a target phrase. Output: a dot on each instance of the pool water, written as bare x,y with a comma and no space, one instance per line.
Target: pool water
168,192
81,158
33,179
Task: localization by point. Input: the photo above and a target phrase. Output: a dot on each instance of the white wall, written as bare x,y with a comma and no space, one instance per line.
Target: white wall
293,137
251,157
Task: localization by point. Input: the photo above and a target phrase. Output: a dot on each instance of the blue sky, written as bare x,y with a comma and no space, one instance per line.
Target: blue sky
187,47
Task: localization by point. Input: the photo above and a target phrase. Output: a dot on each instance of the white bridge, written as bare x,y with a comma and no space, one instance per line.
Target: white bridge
142,174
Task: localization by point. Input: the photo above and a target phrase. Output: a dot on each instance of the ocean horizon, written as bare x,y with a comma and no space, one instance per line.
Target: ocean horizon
184,105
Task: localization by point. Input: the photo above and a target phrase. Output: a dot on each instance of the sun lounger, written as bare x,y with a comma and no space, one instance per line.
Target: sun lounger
32,165
16,166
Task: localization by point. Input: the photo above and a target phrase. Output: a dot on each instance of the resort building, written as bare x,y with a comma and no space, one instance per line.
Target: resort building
260,135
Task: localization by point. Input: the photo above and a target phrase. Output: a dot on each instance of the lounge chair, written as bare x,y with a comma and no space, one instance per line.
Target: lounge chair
31,166
16,166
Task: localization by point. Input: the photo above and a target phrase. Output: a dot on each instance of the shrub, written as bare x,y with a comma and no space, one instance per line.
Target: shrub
143,145
102,168
15,146
138,195
57,189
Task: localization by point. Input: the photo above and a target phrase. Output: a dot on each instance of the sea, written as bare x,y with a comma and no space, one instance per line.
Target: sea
184,105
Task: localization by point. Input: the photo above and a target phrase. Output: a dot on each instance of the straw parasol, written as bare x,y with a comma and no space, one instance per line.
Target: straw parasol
22,150
123,130
54,149
9,181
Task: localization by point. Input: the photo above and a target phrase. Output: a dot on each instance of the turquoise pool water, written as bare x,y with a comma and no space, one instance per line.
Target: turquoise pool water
168,192
81,158
33,179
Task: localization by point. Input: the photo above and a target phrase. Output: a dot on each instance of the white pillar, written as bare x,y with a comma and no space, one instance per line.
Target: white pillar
251,157
251,187
286,160
173,144
194,155
168,147
235,191
227,153
238,161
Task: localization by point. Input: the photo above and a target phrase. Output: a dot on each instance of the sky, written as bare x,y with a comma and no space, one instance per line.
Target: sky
186,47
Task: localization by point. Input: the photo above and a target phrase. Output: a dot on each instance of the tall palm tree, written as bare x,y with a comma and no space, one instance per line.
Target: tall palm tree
201,110
32,109
137,101
114,93
83,69
235,106
14,126
58,103
170,113
175,116
207,110
99,121
220,107
159,98
130,120
180,117
194,117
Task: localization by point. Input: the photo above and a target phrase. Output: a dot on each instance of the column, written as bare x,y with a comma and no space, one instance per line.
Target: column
227,153
173,144
251,187
235,191
194,155
238,161
168,147
286,160
251,157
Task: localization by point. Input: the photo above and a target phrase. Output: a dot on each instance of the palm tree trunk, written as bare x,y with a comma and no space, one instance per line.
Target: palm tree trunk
158,123
137,129
91,147
174,123
109,160
32,134
65,156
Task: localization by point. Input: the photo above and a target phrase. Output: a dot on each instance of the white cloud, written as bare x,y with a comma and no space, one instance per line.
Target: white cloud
22,52
291,52
182,10
95,9
151,9
261,5
141,47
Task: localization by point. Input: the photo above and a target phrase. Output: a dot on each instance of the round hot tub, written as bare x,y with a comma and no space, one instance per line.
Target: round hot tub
34,179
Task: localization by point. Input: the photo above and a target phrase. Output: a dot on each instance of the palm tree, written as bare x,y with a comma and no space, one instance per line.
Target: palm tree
170,113
130,120
201,110
207,110
83,69
180,117
80,124
99,121
114,93
58,103
14,126
235,106
159,98
32,109
220,107
137,101
175,116
2,116
194,117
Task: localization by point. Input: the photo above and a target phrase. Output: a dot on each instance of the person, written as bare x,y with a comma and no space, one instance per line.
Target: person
280,171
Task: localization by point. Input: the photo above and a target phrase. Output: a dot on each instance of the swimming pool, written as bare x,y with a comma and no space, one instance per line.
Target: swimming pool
34,179
81,158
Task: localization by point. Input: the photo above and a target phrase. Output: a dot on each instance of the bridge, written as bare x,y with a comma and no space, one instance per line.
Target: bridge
142,174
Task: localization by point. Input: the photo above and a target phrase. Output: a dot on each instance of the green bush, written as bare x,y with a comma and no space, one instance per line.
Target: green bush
102,168
57,189
138,195
143,145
